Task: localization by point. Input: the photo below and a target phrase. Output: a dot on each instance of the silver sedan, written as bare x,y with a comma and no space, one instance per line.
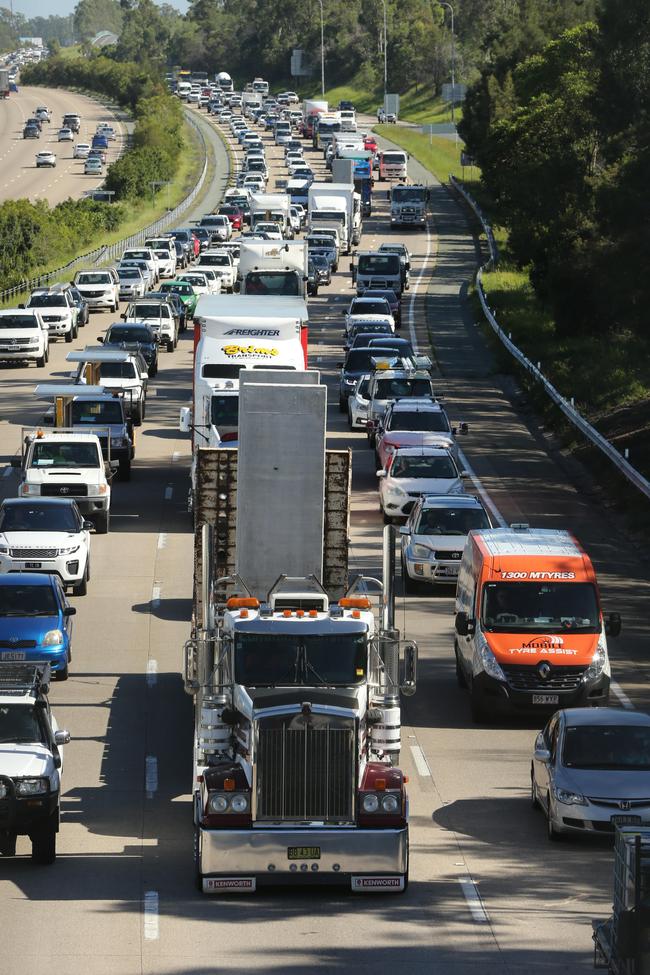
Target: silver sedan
591,771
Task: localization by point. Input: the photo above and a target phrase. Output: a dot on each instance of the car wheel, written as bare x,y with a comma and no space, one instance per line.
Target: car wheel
387,518
8,845
68,336
534,801
552,833
102,522
170,345
81,589
137,416
115,307
153,370
350,424
411,587
62,674
125,469
44,842
40,363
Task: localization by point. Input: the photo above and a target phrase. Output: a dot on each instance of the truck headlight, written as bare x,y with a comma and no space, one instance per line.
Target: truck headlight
52,638
598,663
29,489
370,803
389,804
218,804
32,787
239,803
569,798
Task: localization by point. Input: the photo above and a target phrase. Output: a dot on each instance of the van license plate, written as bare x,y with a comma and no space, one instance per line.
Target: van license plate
546,699
626,820
303,853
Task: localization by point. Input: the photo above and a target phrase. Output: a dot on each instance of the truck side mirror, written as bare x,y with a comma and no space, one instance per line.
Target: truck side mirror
61,737
100,339
185,424
613,624
465,626
410,673
123,316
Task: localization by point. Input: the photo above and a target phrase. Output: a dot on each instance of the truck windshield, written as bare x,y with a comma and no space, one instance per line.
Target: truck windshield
292,659
61,454
394,158
384,264
100,412
540,607
20,724
17,600
35,517
408,194
394,388
610,747
273,283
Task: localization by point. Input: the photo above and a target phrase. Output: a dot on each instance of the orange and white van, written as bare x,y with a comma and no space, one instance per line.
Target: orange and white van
530,634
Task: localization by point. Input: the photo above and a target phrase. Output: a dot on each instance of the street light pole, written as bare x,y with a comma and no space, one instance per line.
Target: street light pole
322,49
444,3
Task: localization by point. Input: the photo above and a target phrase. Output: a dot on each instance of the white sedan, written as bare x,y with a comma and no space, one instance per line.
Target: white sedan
46,535
81,150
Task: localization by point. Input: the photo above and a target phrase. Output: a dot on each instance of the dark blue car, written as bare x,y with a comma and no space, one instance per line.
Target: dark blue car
35,620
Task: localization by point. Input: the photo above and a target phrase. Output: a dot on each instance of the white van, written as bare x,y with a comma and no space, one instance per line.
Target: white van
23,336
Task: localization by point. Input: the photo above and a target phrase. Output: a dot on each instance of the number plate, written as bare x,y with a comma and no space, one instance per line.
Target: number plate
303,853
626,820
13,655
546,699
33,565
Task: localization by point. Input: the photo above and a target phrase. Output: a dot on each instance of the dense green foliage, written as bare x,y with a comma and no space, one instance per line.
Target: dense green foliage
34,236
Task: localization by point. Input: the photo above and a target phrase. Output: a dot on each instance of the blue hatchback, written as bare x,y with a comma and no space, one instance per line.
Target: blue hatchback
35,620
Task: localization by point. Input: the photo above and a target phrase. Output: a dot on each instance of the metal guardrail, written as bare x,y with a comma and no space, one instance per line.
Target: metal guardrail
568,409
104,255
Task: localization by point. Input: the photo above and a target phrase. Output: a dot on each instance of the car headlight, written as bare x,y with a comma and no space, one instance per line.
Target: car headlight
32,787
349,382
69,550
370,803
52,638
598,663
118,442
3,790
421,552
4,550
488,662
397,491
569,798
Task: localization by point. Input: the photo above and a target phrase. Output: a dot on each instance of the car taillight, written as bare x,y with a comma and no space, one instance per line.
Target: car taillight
227,809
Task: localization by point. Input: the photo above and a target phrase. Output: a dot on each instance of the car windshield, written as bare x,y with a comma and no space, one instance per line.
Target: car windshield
607,747
128,333
94,278
100,412
117,370
18,321
19,723
540,607
359,360
17,600
216,260
178,289
138,255
273,283
198,281
429,467
47,301
298,658
450,521
396,388
379,307
61,454
35,517
150,311
224,411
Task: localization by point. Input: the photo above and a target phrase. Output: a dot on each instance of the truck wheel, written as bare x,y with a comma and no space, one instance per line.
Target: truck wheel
44,842
125,469
102,522
68,336
8,845
137,416
153,370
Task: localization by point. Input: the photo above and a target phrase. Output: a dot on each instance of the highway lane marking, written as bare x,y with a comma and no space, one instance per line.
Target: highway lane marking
169,491
485,497
151,776
162,540
151,915
152,673
473,898
420,761
414,291
155,597
621,695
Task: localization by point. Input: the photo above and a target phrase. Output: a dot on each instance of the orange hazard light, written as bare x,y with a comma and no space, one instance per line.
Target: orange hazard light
355,602
243,602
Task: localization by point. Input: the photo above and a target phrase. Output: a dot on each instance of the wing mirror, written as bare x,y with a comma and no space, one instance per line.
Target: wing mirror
100,339
404,530
613,624
465,625
61,737
382,473
541,752
410,670
70,611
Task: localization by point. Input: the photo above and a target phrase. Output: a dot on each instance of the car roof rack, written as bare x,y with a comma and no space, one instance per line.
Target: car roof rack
33,677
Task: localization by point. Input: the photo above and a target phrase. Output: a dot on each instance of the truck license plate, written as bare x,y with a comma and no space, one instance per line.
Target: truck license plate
33,565
546,699
303,853
13,655
626,820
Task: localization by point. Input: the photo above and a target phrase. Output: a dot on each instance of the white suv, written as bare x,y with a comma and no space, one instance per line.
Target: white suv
46,535
221,262
99,288
57,311
23,335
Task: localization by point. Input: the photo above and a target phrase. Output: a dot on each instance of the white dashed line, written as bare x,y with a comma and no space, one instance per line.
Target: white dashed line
473,898
151,915
162,540
621,695
155,597
420,760
485,497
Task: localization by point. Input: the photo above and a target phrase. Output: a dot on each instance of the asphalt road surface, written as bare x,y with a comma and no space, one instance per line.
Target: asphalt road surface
19,177
489,895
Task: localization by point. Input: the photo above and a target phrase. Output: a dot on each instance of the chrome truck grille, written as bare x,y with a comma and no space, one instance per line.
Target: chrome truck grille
306,773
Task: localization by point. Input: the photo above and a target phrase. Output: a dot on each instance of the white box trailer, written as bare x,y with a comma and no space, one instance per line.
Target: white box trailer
336,205
270,206
273,267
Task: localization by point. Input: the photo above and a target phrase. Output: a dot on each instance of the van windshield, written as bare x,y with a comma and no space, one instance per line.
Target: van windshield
540,607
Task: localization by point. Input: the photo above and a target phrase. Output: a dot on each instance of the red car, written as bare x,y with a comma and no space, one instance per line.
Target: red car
234,214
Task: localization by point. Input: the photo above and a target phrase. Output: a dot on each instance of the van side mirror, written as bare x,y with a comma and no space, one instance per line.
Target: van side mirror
185,424
465,625
100,339
410,670
613,624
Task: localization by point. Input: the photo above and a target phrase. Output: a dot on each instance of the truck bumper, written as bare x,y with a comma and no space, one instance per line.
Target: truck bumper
363,860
